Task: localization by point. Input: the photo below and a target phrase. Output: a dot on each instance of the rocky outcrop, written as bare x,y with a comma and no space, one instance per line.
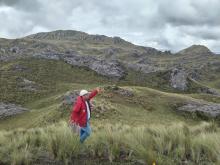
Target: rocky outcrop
110,51
152,51
207,109
99,38
2,51
111,68
20,68
27,85
106,68
120,91
178,79
7,110
15,49
49,55
203,89
73,47
125,92
143,68
6,58
118,40
196,50
208,91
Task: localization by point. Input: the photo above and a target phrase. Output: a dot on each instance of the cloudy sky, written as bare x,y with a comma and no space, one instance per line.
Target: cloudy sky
163,24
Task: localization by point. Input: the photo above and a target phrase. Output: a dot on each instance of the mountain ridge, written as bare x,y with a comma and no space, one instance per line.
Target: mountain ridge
196,49
113,59
175,97
79,35
72,35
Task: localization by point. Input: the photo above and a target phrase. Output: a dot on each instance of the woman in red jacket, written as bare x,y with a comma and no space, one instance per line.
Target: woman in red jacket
82,112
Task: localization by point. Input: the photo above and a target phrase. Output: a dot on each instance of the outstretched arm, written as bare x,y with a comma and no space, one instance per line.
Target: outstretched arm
94,92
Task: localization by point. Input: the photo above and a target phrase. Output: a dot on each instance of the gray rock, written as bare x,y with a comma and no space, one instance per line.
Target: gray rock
121,91
208,91
194,74
110,51
118,40
15,49
151,51
2,50
145,60
178,79
109,68
19,68
125,92
70,51
7,110
99,38
135,55
27,85
48,55
144,68
6,58
213,92
207,108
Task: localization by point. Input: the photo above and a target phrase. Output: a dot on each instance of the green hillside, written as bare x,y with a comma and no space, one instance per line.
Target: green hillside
136,119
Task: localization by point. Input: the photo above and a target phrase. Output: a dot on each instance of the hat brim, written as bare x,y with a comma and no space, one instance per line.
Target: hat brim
86,93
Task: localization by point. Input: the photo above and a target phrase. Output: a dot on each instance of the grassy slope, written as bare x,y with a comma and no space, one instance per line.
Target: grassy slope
147,109
55,78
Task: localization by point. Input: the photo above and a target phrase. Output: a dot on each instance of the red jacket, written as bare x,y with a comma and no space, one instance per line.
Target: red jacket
79,112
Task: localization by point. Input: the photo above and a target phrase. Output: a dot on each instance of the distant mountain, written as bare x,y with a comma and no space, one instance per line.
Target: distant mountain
196,49
116,58
73,35
147,93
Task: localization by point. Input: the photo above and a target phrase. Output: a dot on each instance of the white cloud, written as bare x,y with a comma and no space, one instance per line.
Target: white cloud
164,24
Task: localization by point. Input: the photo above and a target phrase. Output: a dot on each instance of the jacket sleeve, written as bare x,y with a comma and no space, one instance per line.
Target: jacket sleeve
93,94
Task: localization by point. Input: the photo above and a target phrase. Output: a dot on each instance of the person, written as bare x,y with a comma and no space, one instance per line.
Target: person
81,113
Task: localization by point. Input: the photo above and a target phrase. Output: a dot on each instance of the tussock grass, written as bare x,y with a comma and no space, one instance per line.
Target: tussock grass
113,143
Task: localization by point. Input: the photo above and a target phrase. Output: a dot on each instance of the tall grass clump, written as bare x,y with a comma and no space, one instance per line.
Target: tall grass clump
114,143
61,142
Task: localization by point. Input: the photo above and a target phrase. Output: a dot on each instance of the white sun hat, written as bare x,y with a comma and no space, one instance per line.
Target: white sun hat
83,92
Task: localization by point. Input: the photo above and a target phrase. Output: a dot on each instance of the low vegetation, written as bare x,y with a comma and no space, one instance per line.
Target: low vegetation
141,128
174,144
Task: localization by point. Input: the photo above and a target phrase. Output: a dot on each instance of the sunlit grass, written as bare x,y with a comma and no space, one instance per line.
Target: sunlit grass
172,144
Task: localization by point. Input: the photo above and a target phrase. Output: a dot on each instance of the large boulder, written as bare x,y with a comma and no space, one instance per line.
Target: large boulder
205,108
178,79
208,91
15,49
7,110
